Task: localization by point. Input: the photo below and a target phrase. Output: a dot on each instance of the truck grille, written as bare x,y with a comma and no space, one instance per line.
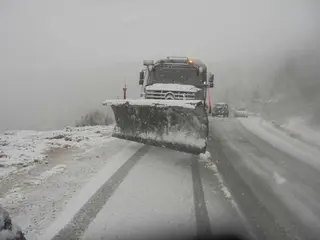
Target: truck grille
178,95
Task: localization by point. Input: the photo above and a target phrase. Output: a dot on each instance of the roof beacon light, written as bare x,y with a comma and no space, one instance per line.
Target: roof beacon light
190,61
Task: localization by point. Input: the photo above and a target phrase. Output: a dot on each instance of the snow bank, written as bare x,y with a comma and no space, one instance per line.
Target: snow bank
281,140
172,87
298,128
21,148
205,156
153,102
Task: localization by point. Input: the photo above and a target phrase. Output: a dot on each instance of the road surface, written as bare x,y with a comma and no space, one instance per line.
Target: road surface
277,192
148,190
247,184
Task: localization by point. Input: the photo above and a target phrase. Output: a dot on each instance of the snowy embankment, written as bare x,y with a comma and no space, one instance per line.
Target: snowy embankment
298,128
297,140
41,171
19,149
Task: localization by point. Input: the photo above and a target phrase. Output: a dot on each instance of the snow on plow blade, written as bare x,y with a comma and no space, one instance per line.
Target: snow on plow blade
181,125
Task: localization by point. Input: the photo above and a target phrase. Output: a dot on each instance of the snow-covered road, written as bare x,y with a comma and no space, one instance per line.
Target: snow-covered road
273,177
255,178
146,190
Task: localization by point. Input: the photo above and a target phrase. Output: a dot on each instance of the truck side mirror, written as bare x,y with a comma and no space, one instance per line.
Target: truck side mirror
211,81
211,78
141,78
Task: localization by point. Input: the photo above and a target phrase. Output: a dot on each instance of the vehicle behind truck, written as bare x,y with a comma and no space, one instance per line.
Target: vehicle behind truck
171,111
220,109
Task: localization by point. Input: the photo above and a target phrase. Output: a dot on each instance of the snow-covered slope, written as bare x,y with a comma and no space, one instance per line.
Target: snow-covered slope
22,148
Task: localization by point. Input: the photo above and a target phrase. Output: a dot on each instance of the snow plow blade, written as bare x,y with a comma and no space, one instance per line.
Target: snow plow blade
180,125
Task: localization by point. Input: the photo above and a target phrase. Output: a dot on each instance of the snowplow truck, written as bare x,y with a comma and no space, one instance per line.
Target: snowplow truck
171,111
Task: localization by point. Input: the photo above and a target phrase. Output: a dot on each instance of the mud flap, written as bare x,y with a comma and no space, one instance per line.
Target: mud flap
174,124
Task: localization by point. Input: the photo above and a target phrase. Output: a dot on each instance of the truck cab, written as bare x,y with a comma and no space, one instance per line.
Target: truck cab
175,78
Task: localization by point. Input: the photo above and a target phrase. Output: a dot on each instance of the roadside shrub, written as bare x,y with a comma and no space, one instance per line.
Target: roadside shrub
94,118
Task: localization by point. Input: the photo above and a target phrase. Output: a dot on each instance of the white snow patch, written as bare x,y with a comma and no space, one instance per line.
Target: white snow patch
210,165
37,180
224,189
55,170
279,179
172,87
13,195
58,169
11,200
17,189
154,102
205,156
33,181
6,171
22,148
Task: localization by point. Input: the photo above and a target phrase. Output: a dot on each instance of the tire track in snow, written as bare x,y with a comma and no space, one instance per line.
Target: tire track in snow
80,222
201,212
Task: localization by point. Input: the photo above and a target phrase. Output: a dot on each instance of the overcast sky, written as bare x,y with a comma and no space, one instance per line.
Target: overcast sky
60,58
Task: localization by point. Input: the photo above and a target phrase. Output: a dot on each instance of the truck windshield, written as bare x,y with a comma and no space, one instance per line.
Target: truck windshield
180,75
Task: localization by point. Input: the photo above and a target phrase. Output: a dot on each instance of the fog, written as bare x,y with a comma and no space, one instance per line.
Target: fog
60,59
